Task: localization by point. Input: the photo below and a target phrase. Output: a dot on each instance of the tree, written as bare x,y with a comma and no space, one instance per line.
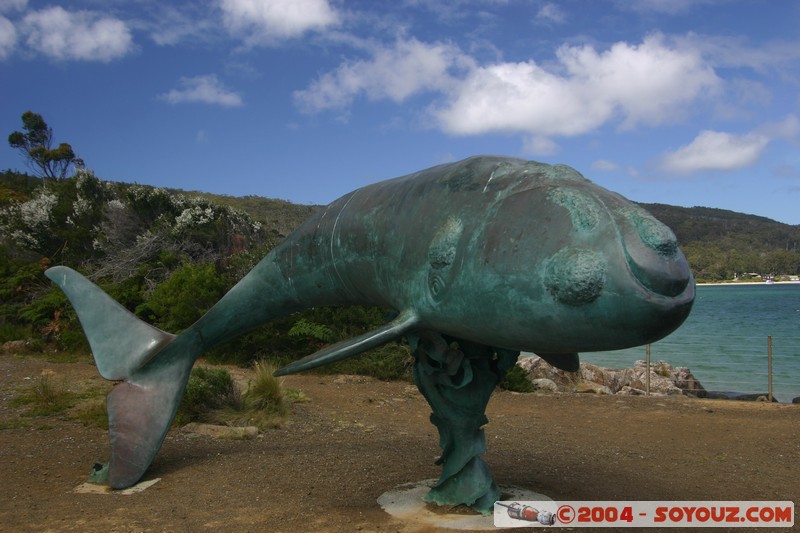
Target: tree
36,146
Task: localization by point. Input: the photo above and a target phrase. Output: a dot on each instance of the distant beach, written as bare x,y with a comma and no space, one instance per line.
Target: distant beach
729,283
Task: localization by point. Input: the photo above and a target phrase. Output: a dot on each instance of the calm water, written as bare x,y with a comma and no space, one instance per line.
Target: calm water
724,340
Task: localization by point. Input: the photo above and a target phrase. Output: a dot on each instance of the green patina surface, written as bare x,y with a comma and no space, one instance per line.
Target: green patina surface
481,259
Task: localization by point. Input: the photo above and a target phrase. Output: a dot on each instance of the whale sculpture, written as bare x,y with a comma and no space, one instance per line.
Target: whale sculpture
480,259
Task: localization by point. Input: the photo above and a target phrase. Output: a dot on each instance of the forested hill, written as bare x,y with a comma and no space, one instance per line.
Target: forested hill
726,229
721,244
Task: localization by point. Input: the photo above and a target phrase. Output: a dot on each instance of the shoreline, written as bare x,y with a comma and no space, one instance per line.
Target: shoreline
729,283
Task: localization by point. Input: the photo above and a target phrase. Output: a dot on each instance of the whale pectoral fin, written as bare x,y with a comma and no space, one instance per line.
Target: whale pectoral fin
342,350
571,362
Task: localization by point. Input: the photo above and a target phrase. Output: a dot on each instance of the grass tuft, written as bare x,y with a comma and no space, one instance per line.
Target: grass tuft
46,396
212,396
265,392
92,413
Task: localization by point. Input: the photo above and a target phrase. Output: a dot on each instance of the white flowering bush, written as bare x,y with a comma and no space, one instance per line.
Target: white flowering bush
129,238
193,217
27,223
61,220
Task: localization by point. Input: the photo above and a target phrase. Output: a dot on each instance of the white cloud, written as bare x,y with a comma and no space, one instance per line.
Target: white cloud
788,128
647,83
715,150
667,7
8,37
271,20
551,13
12,5
540,146
202,89
79,35
737,52
169,25
604,165
455,10
395,73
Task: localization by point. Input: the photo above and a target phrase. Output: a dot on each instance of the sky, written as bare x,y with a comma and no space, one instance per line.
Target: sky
681,102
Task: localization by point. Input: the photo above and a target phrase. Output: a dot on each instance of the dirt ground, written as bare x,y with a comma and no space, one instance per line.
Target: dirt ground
356,439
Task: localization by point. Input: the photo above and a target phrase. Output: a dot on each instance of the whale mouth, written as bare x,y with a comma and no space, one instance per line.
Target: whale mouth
653,256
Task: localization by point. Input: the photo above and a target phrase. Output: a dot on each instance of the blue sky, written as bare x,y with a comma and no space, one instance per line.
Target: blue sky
684,102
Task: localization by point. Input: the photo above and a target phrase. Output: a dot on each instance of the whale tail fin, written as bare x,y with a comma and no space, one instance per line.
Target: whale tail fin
153,365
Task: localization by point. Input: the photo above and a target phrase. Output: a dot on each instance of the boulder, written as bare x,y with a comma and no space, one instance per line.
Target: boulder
664,378
536,368
636,377
544,385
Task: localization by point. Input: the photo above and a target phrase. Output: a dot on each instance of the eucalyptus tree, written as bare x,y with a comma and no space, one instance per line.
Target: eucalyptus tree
35,143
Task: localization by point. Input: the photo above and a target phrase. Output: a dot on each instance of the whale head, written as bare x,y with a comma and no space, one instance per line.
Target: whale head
571,267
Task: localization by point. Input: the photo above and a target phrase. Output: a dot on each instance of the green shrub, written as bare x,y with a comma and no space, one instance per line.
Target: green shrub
207,389
13,332
306,329
185,296
211,396
516,380
389,362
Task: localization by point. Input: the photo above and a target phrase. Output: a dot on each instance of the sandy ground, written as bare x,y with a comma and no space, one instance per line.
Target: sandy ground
356,439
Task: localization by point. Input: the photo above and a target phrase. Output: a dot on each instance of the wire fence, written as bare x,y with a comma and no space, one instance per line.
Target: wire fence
739,364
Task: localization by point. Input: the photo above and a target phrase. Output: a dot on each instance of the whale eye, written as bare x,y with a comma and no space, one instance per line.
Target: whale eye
575,276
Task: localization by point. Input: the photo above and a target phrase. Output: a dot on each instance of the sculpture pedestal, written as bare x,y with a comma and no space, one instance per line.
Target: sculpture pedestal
457,378
406,503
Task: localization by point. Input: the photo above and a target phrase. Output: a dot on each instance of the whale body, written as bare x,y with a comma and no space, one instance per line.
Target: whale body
503,252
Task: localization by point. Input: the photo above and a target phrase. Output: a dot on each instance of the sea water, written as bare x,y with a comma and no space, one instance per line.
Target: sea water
724,342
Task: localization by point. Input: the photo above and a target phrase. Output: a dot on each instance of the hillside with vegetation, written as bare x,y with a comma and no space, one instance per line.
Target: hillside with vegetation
168,255
725,245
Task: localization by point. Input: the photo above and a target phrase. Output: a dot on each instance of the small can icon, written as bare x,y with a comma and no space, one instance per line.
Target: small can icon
527,513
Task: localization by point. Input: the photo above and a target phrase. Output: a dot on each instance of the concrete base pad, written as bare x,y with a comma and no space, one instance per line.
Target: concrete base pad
406,503
94,488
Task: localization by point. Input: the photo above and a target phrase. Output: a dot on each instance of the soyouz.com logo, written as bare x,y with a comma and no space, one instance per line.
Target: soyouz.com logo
644,514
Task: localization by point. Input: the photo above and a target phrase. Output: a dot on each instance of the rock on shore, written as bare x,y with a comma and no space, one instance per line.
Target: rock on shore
664,379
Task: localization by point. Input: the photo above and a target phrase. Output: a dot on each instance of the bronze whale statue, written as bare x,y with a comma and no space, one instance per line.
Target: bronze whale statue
499,252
